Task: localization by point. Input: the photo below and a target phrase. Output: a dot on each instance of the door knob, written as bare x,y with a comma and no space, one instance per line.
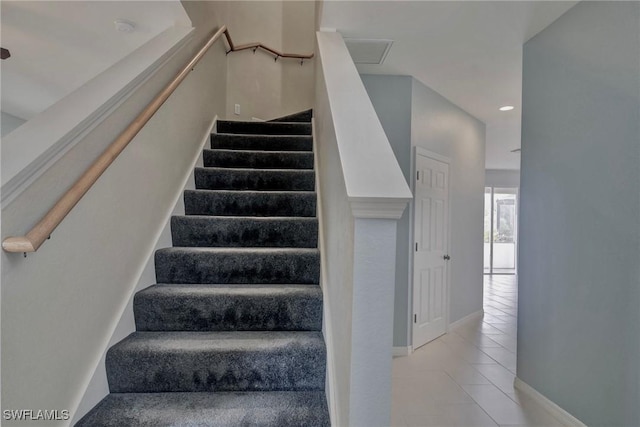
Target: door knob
446,257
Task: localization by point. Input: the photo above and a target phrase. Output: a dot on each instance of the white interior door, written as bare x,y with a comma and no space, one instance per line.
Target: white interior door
431,232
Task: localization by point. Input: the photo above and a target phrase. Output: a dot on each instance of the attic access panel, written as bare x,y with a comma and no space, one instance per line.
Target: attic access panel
368,51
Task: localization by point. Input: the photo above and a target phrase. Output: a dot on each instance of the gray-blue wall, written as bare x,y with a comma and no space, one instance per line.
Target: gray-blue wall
391,98
579,293
414,115
443,128
8,123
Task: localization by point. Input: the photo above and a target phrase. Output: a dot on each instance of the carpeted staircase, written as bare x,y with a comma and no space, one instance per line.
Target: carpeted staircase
231,334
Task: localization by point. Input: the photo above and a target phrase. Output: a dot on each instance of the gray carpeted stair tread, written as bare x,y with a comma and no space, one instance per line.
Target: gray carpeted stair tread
302,116
222,409
232,333
244,231
228,308
254,179
263,128
237,265
258,159
261,142
250,203
151,362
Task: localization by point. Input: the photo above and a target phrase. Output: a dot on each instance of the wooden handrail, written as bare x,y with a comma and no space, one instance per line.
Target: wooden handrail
43,229
256,45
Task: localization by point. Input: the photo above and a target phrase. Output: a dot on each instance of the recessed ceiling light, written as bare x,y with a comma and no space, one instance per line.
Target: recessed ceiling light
124,26
506,108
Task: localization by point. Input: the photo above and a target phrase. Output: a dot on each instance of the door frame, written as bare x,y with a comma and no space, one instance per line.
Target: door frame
517,227
417,150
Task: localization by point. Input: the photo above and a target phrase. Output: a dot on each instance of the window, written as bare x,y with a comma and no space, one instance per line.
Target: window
500,230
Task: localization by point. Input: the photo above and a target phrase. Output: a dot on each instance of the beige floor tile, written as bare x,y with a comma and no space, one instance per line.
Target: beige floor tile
465,378
468,415
427,421
480,340
506,341
499,406
466,374
501,355
499,376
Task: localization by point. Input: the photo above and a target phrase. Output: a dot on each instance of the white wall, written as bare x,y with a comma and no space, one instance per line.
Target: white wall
57,46
443,128
265,88
298,36
502,178
337,231
60,306
35,146
9,123
579,282
502,137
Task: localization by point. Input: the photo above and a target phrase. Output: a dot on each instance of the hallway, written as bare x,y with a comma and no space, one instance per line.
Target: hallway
465,377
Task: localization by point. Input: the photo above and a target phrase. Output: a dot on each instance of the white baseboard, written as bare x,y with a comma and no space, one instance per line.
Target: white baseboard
401,351
563,416
465,319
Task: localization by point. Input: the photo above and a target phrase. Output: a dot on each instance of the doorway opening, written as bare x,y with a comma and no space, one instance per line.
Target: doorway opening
500,230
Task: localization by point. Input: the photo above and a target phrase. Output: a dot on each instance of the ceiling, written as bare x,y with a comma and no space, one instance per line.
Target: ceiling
57,46
469,52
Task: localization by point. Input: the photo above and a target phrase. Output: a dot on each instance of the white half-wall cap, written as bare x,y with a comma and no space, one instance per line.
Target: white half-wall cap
368,51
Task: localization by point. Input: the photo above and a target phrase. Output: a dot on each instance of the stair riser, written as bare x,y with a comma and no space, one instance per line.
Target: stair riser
264,128
222,203
261,142
264,409
176,266
292,367
303,116
258,159
300,310
192,231
247,179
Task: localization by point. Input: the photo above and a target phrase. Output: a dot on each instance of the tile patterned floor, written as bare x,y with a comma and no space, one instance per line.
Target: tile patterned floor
465,378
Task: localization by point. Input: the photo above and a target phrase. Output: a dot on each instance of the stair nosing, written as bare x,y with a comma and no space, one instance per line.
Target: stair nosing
263,135
259,334
216,341
233,285
256,122
255,191
237,290
260,151
248,217
286,249
222,168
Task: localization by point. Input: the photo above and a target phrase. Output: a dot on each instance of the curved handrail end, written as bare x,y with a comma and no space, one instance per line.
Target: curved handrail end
18,244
